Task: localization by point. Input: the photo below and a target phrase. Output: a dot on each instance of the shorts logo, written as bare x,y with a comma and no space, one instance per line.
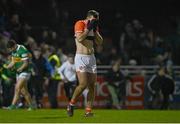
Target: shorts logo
81,67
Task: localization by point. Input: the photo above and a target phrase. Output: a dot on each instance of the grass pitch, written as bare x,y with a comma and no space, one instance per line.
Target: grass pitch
101,116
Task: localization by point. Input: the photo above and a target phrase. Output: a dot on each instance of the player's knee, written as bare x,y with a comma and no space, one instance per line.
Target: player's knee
25,93
82,87
17,90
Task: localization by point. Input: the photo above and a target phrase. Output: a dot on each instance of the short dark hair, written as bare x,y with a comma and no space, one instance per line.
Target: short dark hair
11,43
93,13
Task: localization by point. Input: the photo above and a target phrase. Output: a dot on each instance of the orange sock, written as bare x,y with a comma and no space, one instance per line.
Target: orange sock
72,102
88,109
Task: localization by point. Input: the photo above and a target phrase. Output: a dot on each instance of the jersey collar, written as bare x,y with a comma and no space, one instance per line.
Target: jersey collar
18,46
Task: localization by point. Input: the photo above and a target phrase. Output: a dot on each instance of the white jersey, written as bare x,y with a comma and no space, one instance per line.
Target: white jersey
67,70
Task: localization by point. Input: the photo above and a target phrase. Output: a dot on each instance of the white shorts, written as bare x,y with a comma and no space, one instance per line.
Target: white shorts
23,75
85,63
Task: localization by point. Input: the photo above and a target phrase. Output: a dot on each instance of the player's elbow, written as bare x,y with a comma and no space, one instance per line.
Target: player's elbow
79,39
99,42
26,63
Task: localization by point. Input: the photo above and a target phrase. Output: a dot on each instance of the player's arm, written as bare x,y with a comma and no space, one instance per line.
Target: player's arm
98,38
25,59
10,65
81,32
61,72
24,65
80,37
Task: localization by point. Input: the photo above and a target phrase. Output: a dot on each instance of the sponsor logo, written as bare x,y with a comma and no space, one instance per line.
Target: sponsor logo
134,89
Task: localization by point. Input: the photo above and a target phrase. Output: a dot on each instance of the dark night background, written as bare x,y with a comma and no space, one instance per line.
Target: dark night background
139,33
160,20
156,14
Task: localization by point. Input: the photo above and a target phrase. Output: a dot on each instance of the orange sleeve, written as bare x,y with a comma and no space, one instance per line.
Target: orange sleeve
79,27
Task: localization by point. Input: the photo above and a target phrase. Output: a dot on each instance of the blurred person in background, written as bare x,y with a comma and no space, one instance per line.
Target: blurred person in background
21,63
54,38
128,42
113,55
45,38
14,26
116,84
161,86
8,79
4,37
42,70
63,57
3,20
86,34
168,60
138,27
55,78
68,76
100,56
30,43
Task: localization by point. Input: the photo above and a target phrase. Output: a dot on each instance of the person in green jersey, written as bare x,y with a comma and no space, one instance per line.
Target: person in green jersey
8,79
20,62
